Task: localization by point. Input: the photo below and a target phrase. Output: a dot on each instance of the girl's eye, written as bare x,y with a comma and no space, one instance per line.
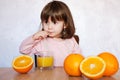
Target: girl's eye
46,22
55,22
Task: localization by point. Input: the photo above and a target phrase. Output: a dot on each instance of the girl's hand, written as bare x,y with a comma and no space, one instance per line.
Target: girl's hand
40,35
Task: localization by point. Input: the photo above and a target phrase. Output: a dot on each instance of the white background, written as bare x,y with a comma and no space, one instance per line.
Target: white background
97,24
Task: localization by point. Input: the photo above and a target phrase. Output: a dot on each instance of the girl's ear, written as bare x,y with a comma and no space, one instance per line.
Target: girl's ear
64,26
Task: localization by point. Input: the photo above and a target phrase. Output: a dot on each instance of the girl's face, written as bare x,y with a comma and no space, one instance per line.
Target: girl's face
54,29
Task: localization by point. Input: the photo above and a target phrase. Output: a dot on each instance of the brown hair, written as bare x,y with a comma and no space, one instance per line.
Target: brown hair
58,11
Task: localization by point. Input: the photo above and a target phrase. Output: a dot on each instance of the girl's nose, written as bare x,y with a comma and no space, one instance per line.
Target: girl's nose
50,26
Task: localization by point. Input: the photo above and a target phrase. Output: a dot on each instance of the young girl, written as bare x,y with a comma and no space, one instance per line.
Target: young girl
56,34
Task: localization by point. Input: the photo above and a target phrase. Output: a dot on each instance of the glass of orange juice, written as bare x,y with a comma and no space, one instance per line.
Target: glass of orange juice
44,59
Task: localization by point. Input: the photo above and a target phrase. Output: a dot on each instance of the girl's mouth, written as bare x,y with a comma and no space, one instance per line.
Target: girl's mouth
50,32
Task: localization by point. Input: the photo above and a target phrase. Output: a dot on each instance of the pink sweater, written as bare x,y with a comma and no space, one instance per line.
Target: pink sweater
60,49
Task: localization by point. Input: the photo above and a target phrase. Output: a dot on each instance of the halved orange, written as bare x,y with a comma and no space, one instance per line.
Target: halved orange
93,67
22,64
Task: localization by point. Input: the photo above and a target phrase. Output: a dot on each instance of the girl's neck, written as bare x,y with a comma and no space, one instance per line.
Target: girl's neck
58,39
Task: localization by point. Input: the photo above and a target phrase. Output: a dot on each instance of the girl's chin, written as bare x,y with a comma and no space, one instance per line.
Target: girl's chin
54,36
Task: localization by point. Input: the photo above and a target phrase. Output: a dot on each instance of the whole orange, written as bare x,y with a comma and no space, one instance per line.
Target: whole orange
22,64
72,63
112,64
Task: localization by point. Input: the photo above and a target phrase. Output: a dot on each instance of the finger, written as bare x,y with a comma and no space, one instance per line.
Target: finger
41,37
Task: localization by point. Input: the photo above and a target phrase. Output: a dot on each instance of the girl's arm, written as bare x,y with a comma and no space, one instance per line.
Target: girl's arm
28,45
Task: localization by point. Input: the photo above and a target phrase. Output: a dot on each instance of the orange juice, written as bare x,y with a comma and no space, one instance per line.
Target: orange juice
46,61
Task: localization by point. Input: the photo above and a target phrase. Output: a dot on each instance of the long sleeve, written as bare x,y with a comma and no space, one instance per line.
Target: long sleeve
28,46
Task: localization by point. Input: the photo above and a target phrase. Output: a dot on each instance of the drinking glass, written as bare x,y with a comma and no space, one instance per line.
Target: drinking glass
44,59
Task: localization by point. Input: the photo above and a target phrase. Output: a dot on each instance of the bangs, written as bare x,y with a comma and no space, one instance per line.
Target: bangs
53,18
